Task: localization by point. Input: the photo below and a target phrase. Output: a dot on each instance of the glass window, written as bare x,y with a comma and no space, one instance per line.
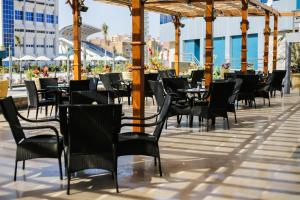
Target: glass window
19,15
40,17
50,19
29,16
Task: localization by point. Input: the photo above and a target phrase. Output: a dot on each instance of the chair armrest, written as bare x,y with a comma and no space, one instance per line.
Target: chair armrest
43,127
41,91
137,118
139,125
37,121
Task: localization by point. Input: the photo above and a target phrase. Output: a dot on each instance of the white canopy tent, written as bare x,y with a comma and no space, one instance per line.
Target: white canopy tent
27,58
42,58
121,58
12,59
60,58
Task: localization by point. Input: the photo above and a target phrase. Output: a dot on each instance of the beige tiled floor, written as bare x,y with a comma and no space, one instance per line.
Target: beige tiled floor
258,158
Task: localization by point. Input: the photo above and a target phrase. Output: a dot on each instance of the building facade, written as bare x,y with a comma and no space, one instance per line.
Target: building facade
227,36
29,27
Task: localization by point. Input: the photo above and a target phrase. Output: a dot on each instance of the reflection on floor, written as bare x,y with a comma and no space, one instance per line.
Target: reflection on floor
258,158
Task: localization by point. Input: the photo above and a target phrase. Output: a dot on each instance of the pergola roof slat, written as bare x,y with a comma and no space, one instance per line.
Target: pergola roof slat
196,8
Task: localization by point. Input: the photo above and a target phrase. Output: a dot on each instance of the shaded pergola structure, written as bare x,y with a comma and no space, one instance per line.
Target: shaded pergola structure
209,9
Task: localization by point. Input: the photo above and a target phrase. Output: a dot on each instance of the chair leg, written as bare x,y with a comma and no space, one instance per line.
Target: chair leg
166,126
46,110
68,184
37,112
264,101
23,167
60,168
28,110
115,174
16,166
254,103
51,110
128,100
269,102
227,123
159,163
155,163
207,124
152,100
235,120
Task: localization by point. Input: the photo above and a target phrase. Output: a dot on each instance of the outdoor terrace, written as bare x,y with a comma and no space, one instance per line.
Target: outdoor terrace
258,158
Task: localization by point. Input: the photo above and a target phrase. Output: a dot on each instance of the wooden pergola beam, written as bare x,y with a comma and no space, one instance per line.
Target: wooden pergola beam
275,42
138,98
176,21
266,44
76,40
209,42
244,28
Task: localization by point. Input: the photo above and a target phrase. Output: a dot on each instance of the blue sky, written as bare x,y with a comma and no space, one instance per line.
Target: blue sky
117,18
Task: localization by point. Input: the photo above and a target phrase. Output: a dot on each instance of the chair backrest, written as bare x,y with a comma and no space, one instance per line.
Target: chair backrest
162,116
105,79
115,79
219,94
93,128
277,78
45,82
237,87
149,77
229,75
163,74
88,97
171,73
93,83
32,94
249,84
79,85
10,113
197,76
171,85
158,91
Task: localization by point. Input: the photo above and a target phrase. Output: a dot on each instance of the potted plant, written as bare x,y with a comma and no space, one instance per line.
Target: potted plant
295,65
224,69
127,75
3,83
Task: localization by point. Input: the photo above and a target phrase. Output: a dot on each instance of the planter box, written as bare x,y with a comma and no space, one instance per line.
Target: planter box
295,80
3,88
127,75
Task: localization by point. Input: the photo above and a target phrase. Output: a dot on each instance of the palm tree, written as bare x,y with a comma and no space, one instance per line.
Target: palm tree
105,34
20,45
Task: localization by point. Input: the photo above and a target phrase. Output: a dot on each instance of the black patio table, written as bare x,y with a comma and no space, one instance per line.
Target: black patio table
193,91
58,89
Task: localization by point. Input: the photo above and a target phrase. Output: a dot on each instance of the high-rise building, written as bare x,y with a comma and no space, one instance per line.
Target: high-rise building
30,27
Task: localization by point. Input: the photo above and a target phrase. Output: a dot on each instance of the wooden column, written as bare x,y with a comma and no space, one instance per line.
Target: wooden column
244,28
209,42
275,42
266,45
138,101
176,21
76,40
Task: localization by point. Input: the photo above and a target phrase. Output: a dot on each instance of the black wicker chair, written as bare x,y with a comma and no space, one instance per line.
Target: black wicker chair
177,109
196,76
263,90
93,83
96,147
89,97
140,143
33,98
112,82
147,89
38,146
276,82
172,85
46,84
233,97
218,103
248,88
